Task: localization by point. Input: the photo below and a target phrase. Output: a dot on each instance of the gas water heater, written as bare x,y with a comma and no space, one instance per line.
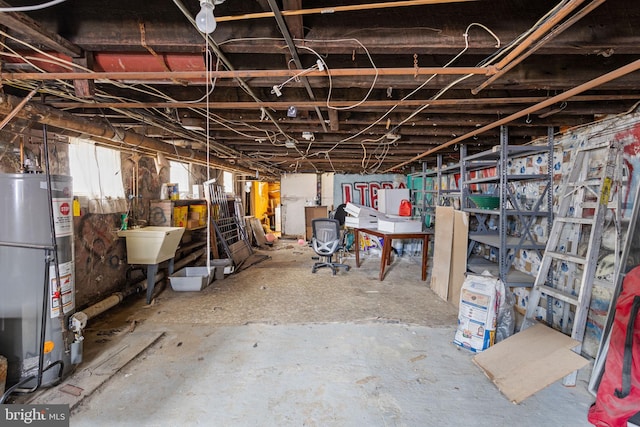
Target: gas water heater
28,273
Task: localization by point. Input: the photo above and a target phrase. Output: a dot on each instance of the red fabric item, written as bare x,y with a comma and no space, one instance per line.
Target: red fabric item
618,400
405,208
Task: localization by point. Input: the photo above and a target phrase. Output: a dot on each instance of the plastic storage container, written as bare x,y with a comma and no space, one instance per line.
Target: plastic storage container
191,279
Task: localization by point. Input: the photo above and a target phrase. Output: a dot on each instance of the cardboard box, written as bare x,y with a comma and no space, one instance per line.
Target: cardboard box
362,211
201,210
311,213
396,225
193,223
160,213
355,222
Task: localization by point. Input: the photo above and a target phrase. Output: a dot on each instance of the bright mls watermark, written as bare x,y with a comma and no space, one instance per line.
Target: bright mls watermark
34,415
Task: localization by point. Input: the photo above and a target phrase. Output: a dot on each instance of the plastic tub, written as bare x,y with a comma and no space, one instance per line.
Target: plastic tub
191,279
485,201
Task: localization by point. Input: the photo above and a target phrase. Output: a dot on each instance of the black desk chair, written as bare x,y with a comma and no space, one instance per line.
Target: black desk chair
326,241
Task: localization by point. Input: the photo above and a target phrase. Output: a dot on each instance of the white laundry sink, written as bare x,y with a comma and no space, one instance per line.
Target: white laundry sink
151,245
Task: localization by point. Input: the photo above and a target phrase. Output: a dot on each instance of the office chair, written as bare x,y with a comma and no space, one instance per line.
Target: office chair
326,241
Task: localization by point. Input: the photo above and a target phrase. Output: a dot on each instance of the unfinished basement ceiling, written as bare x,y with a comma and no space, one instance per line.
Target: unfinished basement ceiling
324,86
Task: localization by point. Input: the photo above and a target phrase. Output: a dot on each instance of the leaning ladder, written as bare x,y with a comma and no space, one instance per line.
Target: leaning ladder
567,270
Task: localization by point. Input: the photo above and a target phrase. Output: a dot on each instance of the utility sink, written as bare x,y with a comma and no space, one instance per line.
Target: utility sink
151,245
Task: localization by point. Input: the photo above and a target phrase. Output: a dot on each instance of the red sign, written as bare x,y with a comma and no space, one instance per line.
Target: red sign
65,208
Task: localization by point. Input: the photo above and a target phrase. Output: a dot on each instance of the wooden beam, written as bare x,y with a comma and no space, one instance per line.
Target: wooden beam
284,30
281,105
629,68
335,9
550,36
334,121
60,119
202,75
539,32
26,26
294,22
84,88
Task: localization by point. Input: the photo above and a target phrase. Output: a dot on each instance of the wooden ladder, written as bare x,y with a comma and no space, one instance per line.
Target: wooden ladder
567,268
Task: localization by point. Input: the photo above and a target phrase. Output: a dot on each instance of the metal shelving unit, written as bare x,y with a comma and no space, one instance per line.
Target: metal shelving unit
422,197
436,187
446,180
493,225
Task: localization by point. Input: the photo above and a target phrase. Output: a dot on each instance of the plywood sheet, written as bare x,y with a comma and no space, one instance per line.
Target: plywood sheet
93,374
529,361
458,256
239,252
258,232
443,243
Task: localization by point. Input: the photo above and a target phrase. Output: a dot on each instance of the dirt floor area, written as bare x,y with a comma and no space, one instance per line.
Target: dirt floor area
282,289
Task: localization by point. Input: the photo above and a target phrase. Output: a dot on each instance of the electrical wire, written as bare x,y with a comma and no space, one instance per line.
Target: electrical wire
31,8
420,109
383,145
145,89
371,88
208,67
492,58
321,59
66,64
296,77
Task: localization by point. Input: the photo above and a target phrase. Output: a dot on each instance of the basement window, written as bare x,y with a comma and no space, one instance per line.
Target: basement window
179,174
227,181
97,176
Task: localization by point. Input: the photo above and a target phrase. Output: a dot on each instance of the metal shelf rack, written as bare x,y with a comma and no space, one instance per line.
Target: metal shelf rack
511,210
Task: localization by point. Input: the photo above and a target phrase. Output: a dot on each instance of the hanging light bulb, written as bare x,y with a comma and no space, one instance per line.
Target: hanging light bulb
205,21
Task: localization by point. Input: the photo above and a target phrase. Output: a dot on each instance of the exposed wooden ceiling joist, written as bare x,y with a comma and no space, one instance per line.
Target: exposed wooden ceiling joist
280,105
30,29
380,57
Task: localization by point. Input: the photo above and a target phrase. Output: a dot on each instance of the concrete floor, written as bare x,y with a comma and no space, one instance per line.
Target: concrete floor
275,345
